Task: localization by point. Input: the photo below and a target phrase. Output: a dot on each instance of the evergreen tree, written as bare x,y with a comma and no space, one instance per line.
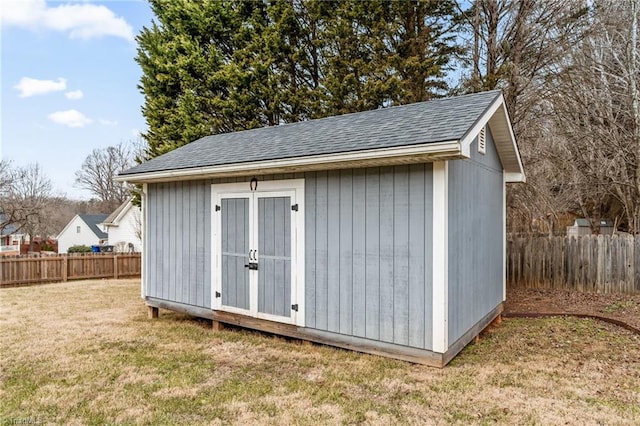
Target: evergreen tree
211,66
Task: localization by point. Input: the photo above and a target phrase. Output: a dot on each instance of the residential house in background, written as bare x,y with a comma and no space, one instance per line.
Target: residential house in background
10,239
123,227
83,229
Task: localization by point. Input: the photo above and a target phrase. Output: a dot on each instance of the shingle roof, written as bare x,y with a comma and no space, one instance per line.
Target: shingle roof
440,120
92,221
11,228
114,215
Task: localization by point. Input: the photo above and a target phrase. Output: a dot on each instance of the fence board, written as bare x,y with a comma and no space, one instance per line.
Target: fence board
22,270
597,264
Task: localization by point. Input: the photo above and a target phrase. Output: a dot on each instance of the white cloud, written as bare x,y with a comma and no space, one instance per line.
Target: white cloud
107,122
83,21
70,118
31,86
74,94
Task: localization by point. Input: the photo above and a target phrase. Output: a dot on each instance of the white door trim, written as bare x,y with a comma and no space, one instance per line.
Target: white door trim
288,187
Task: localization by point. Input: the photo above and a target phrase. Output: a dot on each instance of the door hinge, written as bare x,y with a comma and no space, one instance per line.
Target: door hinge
217,208
218,294
294,307
294,207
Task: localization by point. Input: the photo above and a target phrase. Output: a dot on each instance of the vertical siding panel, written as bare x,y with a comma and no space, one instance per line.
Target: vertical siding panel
183,292
359,249
170,206
372,260
401,255
346,252
386,254
279,238
166,265
322,250
310,256
333,243
416,250
193,205
153,240
186,242
207,244
173,210
428,256
200,243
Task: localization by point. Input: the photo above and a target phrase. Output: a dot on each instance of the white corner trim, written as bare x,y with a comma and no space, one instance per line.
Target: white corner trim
504,237
440,256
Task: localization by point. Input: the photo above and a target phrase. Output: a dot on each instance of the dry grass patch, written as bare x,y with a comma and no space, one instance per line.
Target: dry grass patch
85,353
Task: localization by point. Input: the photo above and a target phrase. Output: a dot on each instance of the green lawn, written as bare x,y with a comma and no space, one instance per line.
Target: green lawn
85,353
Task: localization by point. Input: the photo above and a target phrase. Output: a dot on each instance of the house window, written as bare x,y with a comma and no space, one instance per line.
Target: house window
77,229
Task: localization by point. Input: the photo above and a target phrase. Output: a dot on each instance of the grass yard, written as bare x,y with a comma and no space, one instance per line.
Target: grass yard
85,353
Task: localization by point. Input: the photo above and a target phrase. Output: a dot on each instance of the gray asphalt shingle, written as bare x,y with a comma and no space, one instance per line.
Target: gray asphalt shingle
92,221
438,120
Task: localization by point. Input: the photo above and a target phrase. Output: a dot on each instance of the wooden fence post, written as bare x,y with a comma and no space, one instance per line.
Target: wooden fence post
115,266
64,268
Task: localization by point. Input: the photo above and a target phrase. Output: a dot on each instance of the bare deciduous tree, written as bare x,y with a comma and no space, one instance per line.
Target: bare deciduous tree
25,199
99,169
595,102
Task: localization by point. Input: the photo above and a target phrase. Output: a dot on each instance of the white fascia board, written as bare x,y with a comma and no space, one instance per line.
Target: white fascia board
440,282
465,143
439,150
122,213
515,177
513,142
499,107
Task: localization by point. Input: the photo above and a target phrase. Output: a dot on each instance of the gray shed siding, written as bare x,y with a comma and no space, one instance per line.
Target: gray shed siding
475,219
368,253
179,242
368,249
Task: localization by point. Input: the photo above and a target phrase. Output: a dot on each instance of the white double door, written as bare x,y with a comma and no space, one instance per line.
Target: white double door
257,249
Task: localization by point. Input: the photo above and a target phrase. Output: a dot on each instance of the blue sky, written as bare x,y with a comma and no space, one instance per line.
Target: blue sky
69,82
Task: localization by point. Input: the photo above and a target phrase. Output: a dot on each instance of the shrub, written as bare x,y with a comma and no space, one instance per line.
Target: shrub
79,249
46,247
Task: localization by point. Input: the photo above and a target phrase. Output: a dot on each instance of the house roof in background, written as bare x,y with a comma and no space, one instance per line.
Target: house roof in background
410,133
117,214
92,221
9,229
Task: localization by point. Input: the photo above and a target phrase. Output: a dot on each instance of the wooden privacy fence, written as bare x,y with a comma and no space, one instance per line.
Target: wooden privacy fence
39,269
597,264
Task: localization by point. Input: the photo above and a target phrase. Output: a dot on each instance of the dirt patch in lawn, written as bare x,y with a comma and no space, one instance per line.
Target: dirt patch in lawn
622,307
85,353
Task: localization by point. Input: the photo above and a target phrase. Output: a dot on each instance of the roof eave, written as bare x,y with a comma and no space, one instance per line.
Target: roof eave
448,150
497,117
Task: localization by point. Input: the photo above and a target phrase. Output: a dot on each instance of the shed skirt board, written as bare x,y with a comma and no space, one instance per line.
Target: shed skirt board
374,347
255,243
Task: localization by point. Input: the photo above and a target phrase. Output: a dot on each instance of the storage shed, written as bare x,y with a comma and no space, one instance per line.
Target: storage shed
583,227
381,231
